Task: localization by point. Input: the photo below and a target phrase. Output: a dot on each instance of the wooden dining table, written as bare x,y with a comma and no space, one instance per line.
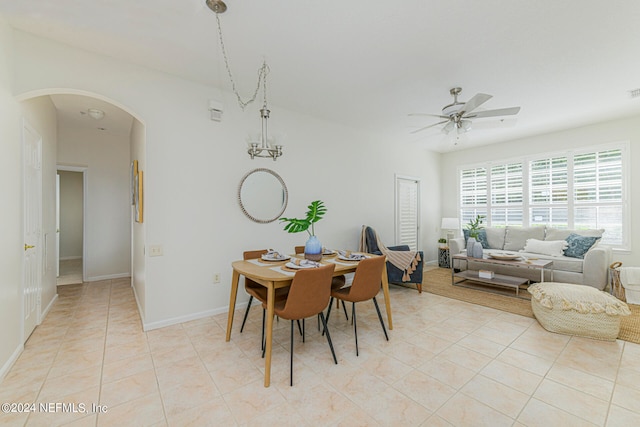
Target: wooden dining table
271,275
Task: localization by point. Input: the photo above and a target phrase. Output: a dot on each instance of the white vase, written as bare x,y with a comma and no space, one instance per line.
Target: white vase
470,242
478,251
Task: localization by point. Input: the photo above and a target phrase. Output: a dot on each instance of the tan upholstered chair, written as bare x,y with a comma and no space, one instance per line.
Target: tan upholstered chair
365,286
257,291
308,296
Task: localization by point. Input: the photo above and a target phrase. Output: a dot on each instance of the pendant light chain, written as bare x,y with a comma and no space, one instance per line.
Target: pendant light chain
262,74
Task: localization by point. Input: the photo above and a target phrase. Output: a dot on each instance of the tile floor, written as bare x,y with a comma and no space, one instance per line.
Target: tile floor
447,363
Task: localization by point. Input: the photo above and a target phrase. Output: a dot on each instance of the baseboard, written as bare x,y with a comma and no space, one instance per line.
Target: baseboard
108,277
140,310
48,308
188,317
9,364
69,258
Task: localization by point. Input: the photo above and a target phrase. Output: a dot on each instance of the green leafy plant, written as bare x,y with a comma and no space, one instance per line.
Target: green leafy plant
442,240
314,214
475,225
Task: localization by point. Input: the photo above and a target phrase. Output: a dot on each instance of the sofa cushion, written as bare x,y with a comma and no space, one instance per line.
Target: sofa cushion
546,247
495,237
578,245
482,238
516,237
562,234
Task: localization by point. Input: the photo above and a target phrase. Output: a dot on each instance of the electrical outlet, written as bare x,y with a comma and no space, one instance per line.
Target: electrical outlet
155,250
216,278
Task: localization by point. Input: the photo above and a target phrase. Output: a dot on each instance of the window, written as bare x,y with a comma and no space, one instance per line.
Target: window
578,190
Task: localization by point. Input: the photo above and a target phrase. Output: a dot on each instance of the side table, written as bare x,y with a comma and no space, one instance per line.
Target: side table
443,258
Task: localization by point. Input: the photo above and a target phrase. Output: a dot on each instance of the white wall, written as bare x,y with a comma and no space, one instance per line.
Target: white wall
71,199
193,167
600,133
11,250
138,264
107,228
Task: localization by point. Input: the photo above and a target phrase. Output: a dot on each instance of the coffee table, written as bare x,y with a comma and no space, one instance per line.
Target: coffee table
501,280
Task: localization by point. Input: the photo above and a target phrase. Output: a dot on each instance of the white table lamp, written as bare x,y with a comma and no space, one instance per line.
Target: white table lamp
450,224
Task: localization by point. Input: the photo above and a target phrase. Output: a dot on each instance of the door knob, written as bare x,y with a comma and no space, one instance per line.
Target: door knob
28,246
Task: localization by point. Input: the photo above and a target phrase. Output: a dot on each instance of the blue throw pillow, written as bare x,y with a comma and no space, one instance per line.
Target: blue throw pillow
579,245
482,238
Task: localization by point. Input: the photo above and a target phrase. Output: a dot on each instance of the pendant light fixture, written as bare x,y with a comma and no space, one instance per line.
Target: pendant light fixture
263,147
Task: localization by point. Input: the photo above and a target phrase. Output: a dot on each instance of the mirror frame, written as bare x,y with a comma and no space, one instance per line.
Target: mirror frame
284,188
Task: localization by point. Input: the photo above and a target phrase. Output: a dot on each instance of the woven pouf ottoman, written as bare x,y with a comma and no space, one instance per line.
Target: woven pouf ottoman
577,310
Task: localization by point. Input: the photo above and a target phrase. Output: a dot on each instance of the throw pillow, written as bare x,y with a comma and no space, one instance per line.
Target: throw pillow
482,238
579,245
548,247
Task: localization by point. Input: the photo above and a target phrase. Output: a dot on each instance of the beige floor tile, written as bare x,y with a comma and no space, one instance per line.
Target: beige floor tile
129,388
496,395
447,363
512,376
572,401
540,414
583,381
463,411
143,411
450,373
213,413
424,389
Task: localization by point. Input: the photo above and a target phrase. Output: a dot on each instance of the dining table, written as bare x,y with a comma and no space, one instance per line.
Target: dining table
273,276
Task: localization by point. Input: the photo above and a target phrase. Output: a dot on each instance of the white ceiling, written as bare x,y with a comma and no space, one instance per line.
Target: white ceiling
368,64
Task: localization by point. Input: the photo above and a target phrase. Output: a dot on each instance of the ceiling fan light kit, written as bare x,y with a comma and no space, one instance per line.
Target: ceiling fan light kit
457,115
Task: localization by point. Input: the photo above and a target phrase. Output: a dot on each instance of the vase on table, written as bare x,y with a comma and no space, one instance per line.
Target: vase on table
470,242
478,251
313,249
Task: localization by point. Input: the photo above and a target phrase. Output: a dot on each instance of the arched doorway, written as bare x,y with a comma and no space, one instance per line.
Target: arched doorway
90,133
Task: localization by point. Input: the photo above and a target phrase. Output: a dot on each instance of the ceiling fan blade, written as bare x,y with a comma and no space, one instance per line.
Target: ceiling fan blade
430,126
475,102
492,113
428,115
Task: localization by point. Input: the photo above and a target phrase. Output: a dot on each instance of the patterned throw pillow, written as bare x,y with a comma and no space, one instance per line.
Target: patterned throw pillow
579,245
482,238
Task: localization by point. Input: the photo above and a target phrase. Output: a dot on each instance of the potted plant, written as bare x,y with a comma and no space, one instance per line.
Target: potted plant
442,243
474,248
315,212
475,225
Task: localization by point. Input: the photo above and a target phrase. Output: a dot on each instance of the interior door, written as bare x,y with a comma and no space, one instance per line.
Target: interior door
32,176
407,211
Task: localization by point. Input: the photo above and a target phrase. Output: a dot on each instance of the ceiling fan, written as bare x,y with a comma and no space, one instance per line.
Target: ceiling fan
458,115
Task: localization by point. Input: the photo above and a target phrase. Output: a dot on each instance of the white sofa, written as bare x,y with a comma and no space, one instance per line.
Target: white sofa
592,270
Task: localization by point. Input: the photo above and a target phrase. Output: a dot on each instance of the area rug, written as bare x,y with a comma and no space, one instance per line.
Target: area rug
438,281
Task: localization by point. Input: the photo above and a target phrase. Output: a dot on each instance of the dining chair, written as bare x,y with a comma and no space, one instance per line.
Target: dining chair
336,283
365,286
257,291
308,296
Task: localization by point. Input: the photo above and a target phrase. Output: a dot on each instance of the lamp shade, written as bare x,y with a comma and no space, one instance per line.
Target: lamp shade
450,224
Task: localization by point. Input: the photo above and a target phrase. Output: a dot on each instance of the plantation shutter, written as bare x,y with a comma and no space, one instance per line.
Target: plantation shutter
407,212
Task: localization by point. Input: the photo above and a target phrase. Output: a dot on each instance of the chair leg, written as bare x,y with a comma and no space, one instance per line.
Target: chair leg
419,285
380,317
329,309
291,359
300,329
355,325
326,329
344,308
246,313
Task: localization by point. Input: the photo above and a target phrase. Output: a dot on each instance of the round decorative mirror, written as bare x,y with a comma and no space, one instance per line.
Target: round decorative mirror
262,195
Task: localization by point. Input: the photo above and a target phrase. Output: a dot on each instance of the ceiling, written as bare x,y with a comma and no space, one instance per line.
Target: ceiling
368,64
